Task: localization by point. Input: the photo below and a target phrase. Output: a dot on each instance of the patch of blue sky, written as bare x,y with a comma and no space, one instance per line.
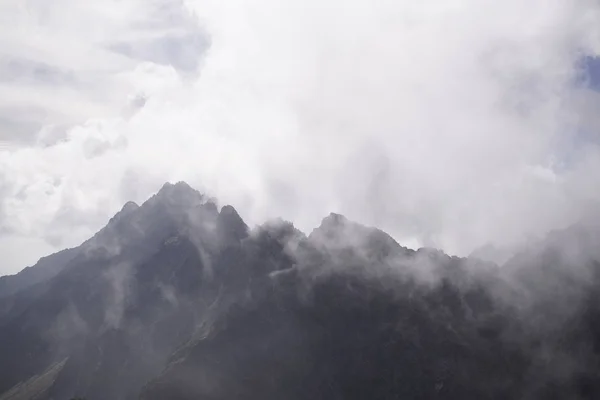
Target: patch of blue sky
589,75
584,134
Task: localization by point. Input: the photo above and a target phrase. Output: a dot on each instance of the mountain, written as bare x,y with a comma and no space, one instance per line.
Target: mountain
180,299
48,267
121,306
492,253
44,269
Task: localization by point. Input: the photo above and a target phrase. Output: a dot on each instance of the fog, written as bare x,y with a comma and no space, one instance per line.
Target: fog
447,124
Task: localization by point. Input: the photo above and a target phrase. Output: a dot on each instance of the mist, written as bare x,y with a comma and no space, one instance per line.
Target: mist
449,125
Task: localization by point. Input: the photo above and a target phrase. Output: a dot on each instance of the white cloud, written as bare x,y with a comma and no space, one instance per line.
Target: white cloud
66,61
450,123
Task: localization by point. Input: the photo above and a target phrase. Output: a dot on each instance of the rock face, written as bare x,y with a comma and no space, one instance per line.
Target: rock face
121,306
176,299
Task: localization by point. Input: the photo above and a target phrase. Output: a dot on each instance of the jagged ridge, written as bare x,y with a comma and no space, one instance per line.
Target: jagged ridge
178,299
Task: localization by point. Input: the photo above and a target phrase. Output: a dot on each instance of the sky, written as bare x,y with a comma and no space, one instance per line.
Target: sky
446,123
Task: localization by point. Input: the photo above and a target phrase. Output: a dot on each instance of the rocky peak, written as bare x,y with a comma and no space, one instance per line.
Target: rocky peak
179,194
230,225
334,220
126,210
129,207
338,233
336,229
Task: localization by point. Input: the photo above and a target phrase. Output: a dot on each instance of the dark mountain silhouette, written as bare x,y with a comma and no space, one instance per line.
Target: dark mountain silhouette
178,299
46,268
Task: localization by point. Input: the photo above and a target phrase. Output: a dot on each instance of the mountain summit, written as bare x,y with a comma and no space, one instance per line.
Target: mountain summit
178,299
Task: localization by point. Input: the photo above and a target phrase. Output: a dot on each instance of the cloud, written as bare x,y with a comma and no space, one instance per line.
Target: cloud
67,62
445,123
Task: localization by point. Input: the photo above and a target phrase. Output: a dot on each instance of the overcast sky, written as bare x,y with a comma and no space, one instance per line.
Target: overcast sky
446,123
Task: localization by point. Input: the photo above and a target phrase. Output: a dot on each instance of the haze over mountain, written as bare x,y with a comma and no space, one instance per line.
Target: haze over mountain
179,299
398,199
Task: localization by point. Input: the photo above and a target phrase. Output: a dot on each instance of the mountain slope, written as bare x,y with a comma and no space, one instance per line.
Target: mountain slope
46,268
176,299
358,316
342,325
129,298
50,266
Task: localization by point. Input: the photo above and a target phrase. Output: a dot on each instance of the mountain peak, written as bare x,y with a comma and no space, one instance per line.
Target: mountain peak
334,220
231,224
333,225
230,211
179,186
338,232
179,194
129,207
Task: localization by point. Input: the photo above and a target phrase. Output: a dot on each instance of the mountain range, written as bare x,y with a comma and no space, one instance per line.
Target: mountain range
179,299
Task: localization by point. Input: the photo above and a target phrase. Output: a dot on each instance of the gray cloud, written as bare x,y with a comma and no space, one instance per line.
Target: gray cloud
445,124
179,51
67,63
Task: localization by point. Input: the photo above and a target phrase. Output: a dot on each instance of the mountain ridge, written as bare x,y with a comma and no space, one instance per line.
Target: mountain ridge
179,299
